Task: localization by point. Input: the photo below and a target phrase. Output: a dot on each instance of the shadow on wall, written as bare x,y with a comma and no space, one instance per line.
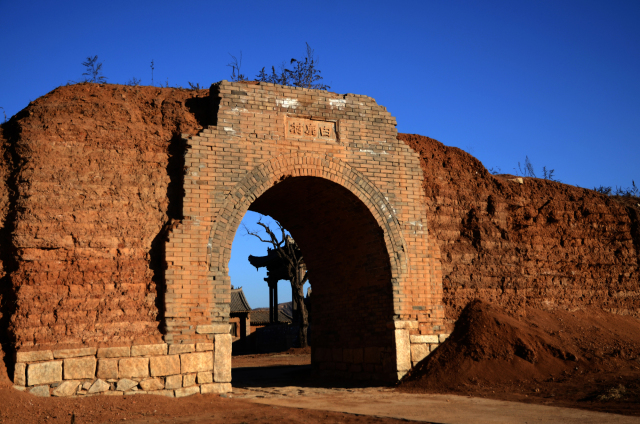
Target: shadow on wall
269,339
204,109
8,262
175,195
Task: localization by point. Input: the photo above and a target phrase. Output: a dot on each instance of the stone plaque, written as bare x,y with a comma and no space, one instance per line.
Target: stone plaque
308,129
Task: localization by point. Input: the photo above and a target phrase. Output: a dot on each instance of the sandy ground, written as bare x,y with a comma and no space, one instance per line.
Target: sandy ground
282,388
287,380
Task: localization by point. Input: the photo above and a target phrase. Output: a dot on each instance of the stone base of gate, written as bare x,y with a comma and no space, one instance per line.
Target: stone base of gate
412,348
174,370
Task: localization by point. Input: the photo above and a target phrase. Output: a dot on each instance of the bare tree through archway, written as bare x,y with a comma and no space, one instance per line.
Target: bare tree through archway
295,270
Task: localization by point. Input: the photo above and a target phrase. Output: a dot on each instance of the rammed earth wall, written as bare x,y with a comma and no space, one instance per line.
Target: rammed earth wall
118,210
530,242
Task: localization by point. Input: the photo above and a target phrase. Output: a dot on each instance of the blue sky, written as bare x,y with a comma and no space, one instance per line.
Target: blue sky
557,81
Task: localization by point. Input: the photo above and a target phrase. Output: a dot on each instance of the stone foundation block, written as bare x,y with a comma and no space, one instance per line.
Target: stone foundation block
443,337
196,362
126,384
133,367
74,353
424,339
67,388
222,358
204,347
20,374
173,382
107,369
42,391
187,391
403,350
99,386
188,380
181,348
419,352
152,384
205,377
164,365
114,352
42,355
405,325
167,393
44,373
213,329
78,368
147,350
215,388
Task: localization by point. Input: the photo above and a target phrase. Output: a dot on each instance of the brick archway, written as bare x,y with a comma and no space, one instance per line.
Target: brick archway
266,175
269,138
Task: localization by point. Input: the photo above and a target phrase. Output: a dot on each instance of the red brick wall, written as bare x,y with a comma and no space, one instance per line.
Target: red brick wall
362,182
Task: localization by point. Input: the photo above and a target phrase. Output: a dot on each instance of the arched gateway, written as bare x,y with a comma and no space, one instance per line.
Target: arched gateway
330,168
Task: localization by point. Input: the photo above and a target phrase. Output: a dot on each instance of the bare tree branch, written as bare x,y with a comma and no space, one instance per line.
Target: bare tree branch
293,262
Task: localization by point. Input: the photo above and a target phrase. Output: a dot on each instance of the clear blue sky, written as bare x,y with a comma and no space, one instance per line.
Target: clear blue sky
558,81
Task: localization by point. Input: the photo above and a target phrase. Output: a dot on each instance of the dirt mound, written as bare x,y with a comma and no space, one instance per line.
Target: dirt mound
586,358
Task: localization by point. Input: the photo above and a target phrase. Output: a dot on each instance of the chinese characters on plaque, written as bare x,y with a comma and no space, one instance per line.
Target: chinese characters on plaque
306,128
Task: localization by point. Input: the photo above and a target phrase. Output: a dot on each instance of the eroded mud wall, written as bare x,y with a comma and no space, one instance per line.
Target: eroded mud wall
97,177
5,285
539,243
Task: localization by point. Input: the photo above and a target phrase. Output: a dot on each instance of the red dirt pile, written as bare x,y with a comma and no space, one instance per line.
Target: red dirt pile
585,358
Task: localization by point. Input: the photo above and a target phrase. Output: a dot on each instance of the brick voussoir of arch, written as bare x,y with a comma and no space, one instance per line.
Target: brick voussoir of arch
359,186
